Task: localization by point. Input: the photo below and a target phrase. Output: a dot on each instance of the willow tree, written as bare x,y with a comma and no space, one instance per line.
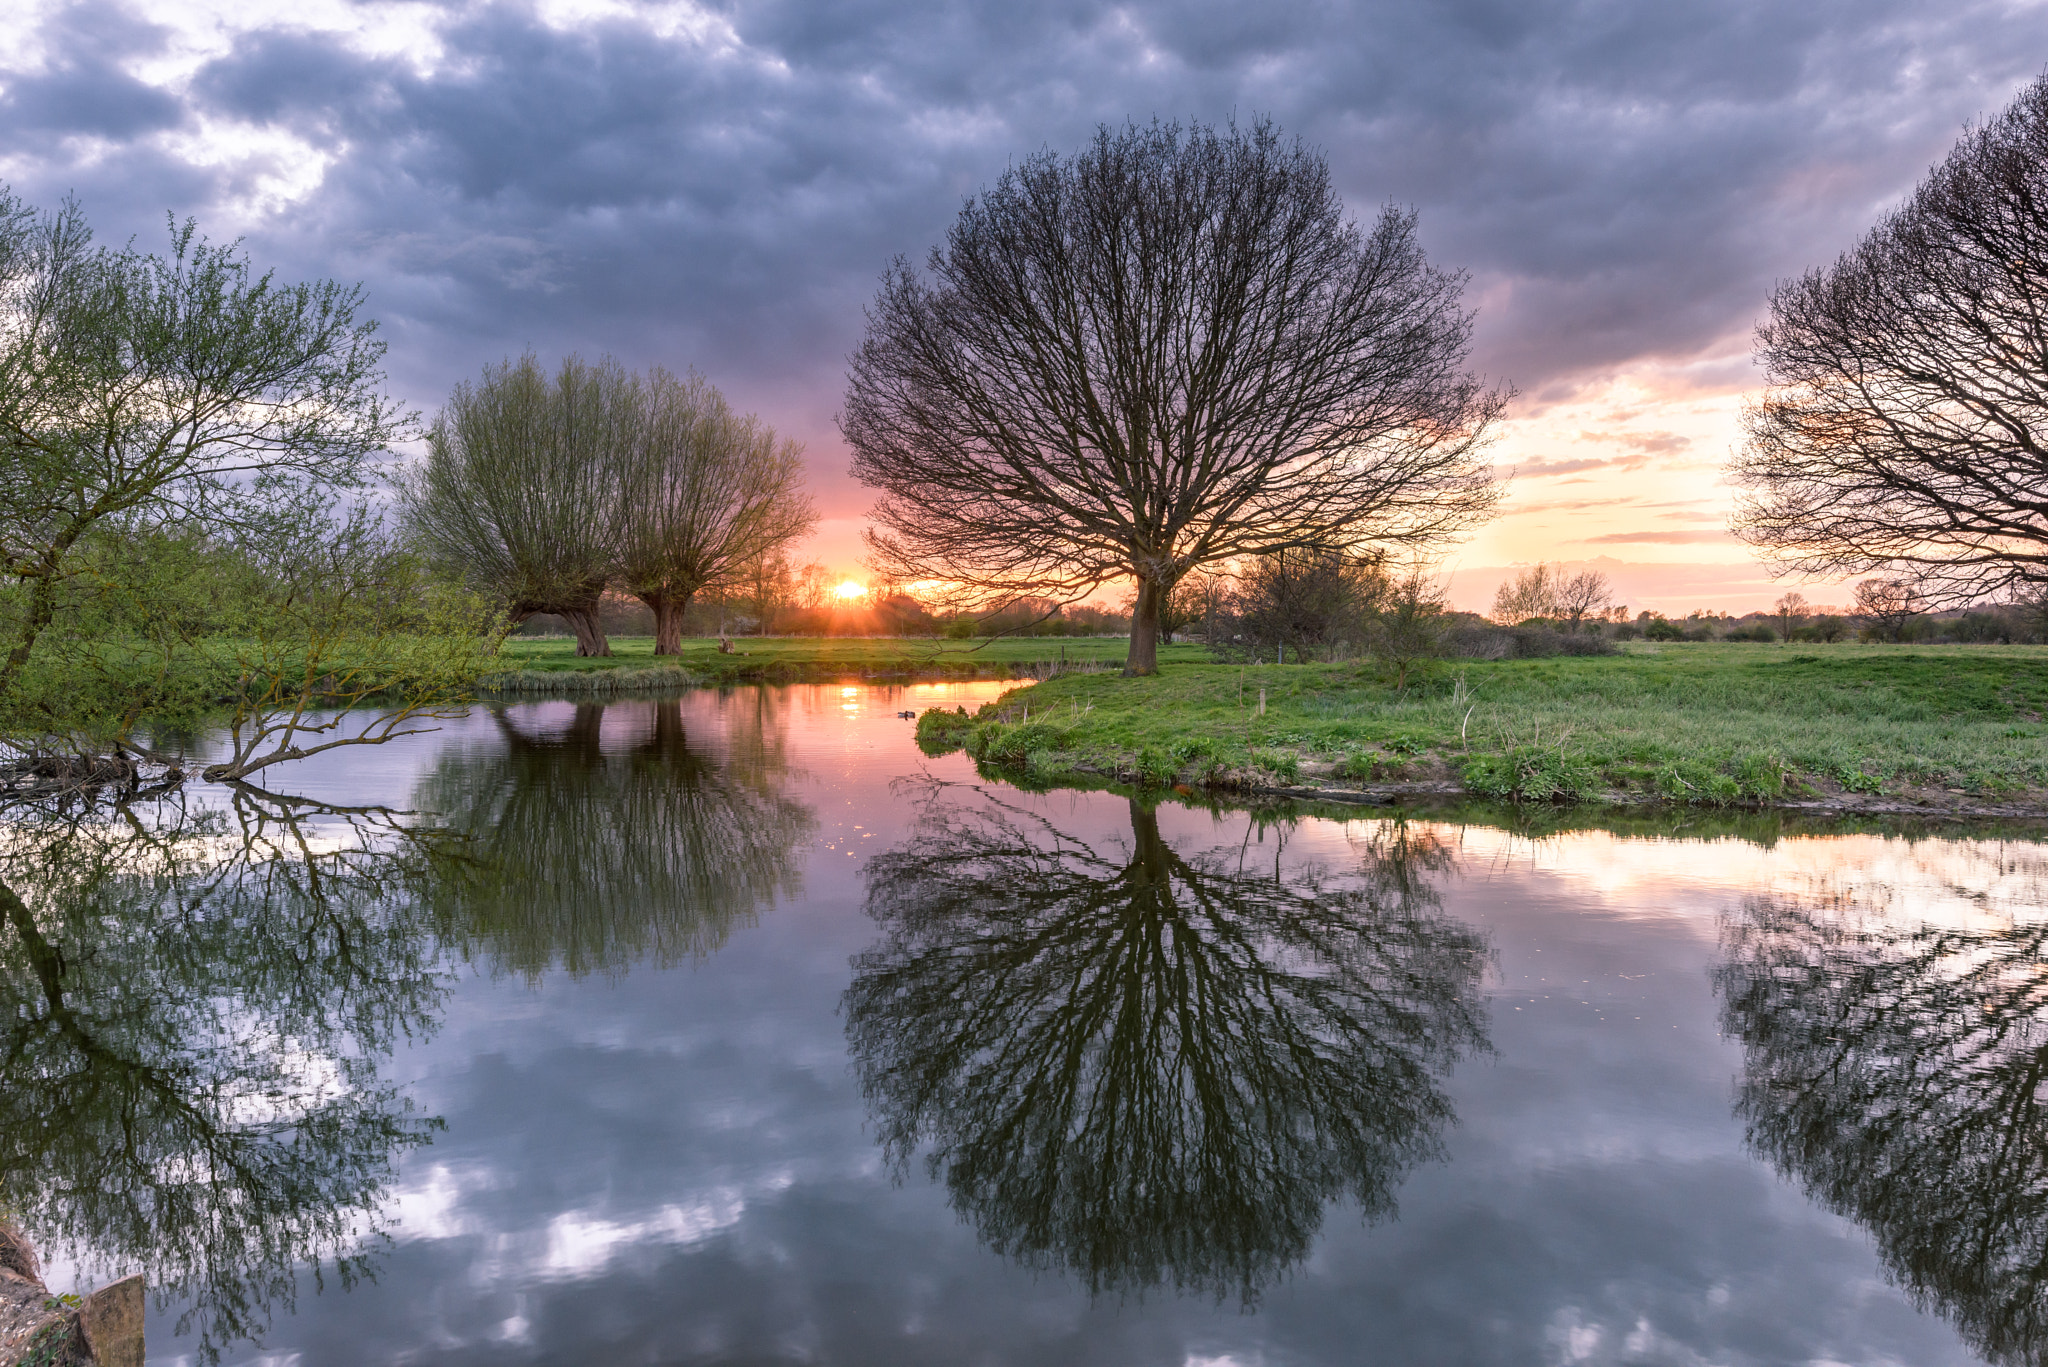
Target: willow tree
1905,430
704,494
1167,351
519,493
158,398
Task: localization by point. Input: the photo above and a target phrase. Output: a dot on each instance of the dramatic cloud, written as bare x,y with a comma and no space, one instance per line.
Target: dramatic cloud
720,184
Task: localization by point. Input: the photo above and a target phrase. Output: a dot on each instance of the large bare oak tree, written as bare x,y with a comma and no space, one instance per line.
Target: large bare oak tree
1903,431
1169,350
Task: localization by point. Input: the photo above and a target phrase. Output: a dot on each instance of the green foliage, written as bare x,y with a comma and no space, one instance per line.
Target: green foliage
1762,776
184,449
1532,773
1702,725
940,732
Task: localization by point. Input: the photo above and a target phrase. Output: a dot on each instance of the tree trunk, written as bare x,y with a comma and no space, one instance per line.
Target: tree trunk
583,620
1144,655
668,610
1151,864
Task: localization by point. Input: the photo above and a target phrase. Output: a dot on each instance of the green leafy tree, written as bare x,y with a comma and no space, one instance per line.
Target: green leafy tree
141,396
196,1006
705,494
519,495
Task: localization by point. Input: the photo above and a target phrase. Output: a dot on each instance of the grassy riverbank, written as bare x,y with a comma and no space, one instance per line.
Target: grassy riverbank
1711,724
550,664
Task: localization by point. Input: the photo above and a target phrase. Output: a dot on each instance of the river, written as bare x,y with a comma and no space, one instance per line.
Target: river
732,1029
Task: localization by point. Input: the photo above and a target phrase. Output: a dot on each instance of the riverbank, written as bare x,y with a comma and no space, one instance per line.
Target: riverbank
1954,730
550,664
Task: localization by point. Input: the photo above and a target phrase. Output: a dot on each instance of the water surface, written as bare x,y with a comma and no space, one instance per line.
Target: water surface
730,1029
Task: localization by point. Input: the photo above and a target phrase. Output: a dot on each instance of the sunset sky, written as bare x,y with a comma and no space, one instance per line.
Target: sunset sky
720,185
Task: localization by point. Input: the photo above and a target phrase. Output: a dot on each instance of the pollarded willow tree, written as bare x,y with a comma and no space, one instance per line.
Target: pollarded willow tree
519,493
1905,430
705,493
543,492
1167,351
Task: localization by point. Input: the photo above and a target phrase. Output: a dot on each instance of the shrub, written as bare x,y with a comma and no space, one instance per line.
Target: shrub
941,733
1532,773
1521,643
1661,630
1762,776
1011,744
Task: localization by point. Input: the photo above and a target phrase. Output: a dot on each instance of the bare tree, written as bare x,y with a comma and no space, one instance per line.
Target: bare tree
1582,595
1790,610
1306,601
1167,351
704,493
1532,593
1888,604
1903,430
1407,626
519,493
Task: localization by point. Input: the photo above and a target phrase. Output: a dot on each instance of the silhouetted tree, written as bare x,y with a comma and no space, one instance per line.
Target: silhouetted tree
1790,611
1887,605
1167,351
1305,601
1410,615
1532,593
1902,432
1578,596
1149,1068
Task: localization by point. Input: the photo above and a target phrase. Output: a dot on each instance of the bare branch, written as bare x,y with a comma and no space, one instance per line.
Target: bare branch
1167,351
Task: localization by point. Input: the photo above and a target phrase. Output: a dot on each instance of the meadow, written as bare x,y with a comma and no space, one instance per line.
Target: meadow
550,663
1708,724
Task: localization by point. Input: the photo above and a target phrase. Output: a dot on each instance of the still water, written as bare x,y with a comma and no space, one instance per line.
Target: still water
730,1029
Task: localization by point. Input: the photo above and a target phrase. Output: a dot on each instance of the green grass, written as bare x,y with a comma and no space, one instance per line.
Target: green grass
1694,724
539,662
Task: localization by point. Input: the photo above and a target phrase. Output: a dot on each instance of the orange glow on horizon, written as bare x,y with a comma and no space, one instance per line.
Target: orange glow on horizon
850,590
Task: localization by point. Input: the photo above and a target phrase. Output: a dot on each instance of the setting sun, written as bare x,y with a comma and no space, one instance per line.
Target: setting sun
851,590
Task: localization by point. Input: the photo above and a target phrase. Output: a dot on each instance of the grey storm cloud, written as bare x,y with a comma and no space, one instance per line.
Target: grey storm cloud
1622,180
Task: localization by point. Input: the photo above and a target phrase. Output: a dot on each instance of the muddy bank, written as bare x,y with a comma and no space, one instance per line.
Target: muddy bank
38,1329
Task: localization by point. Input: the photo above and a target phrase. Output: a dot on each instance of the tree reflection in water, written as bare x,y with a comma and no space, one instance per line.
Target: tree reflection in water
194,1007
1898,1066
1151,1068
593,856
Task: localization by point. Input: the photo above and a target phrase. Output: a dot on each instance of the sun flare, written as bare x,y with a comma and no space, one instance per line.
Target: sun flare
851,590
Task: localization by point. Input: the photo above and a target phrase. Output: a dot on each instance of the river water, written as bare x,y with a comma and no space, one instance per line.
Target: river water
731,1029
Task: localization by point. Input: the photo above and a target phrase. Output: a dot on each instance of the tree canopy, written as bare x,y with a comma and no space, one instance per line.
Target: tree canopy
543,492
1905,428
1166,351
166,422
